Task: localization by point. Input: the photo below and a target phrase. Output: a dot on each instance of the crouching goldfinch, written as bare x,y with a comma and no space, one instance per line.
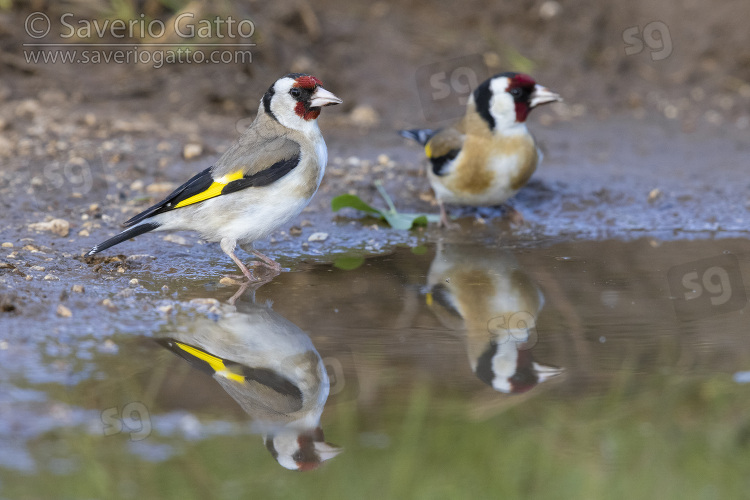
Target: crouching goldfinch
489,155
262,182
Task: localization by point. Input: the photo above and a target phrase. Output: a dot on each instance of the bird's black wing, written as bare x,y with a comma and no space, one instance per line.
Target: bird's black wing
198,184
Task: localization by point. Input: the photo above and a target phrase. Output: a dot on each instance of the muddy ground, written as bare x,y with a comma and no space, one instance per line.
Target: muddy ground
644,146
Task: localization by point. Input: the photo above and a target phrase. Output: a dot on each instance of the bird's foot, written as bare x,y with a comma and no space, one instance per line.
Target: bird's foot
253,275
444,222
450,226
514,216
266,262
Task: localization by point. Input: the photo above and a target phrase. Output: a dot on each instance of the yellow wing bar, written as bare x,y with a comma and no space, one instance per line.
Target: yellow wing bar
213,190
217,364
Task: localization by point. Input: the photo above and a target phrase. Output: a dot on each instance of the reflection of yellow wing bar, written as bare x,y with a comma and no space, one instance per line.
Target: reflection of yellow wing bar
213,190
217,364
428,150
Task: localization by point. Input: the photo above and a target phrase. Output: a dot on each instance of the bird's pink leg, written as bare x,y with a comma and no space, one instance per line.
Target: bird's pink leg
444,222
267,261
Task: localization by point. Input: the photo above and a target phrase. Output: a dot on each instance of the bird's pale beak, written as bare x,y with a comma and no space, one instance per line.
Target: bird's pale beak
327,451
547,372
321,97
542,95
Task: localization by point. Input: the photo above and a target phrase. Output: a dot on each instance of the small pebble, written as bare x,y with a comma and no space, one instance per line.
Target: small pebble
159,187
295,231
78,289
654,194
205,302
364,116
318,237
51,277
191,151
166,309
63,311
60,227
133,282
120,269
174,238
37,268
226,280
141,256
108,304
83,233
7,244
108,346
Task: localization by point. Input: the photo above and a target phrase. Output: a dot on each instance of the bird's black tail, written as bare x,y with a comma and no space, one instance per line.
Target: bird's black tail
131,232
421,135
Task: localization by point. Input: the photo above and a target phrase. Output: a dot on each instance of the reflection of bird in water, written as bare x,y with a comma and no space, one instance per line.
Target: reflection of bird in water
271,368
483,293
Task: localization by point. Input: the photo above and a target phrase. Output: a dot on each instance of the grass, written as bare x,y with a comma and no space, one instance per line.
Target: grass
665,439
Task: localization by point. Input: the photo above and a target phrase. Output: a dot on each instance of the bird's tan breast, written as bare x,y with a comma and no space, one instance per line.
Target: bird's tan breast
309,174
489,161
476,289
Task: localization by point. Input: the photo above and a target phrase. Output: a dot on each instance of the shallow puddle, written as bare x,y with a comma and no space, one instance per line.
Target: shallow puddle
564,370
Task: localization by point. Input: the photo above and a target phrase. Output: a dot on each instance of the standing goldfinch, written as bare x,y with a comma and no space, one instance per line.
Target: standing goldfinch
489,155
262,182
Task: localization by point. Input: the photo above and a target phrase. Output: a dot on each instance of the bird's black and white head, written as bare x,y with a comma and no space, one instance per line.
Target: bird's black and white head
509,367
295,100
505,100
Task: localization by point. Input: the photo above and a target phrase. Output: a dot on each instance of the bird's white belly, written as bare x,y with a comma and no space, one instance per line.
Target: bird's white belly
244,216
258,221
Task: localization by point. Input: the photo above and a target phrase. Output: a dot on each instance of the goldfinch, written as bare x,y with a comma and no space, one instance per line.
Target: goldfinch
271,368
489,155
487,297
262,182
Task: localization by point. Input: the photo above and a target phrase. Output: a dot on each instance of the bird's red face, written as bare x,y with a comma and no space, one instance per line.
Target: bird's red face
306,85
521,87
295,100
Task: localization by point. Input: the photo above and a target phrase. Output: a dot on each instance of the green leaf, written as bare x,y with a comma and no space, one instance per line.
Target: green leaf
353,201
395,219
348,263
420,220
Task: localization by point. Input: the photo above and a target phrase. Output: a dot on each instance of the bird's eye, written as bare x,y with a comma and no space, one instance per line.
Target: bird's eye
516,92
295,92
